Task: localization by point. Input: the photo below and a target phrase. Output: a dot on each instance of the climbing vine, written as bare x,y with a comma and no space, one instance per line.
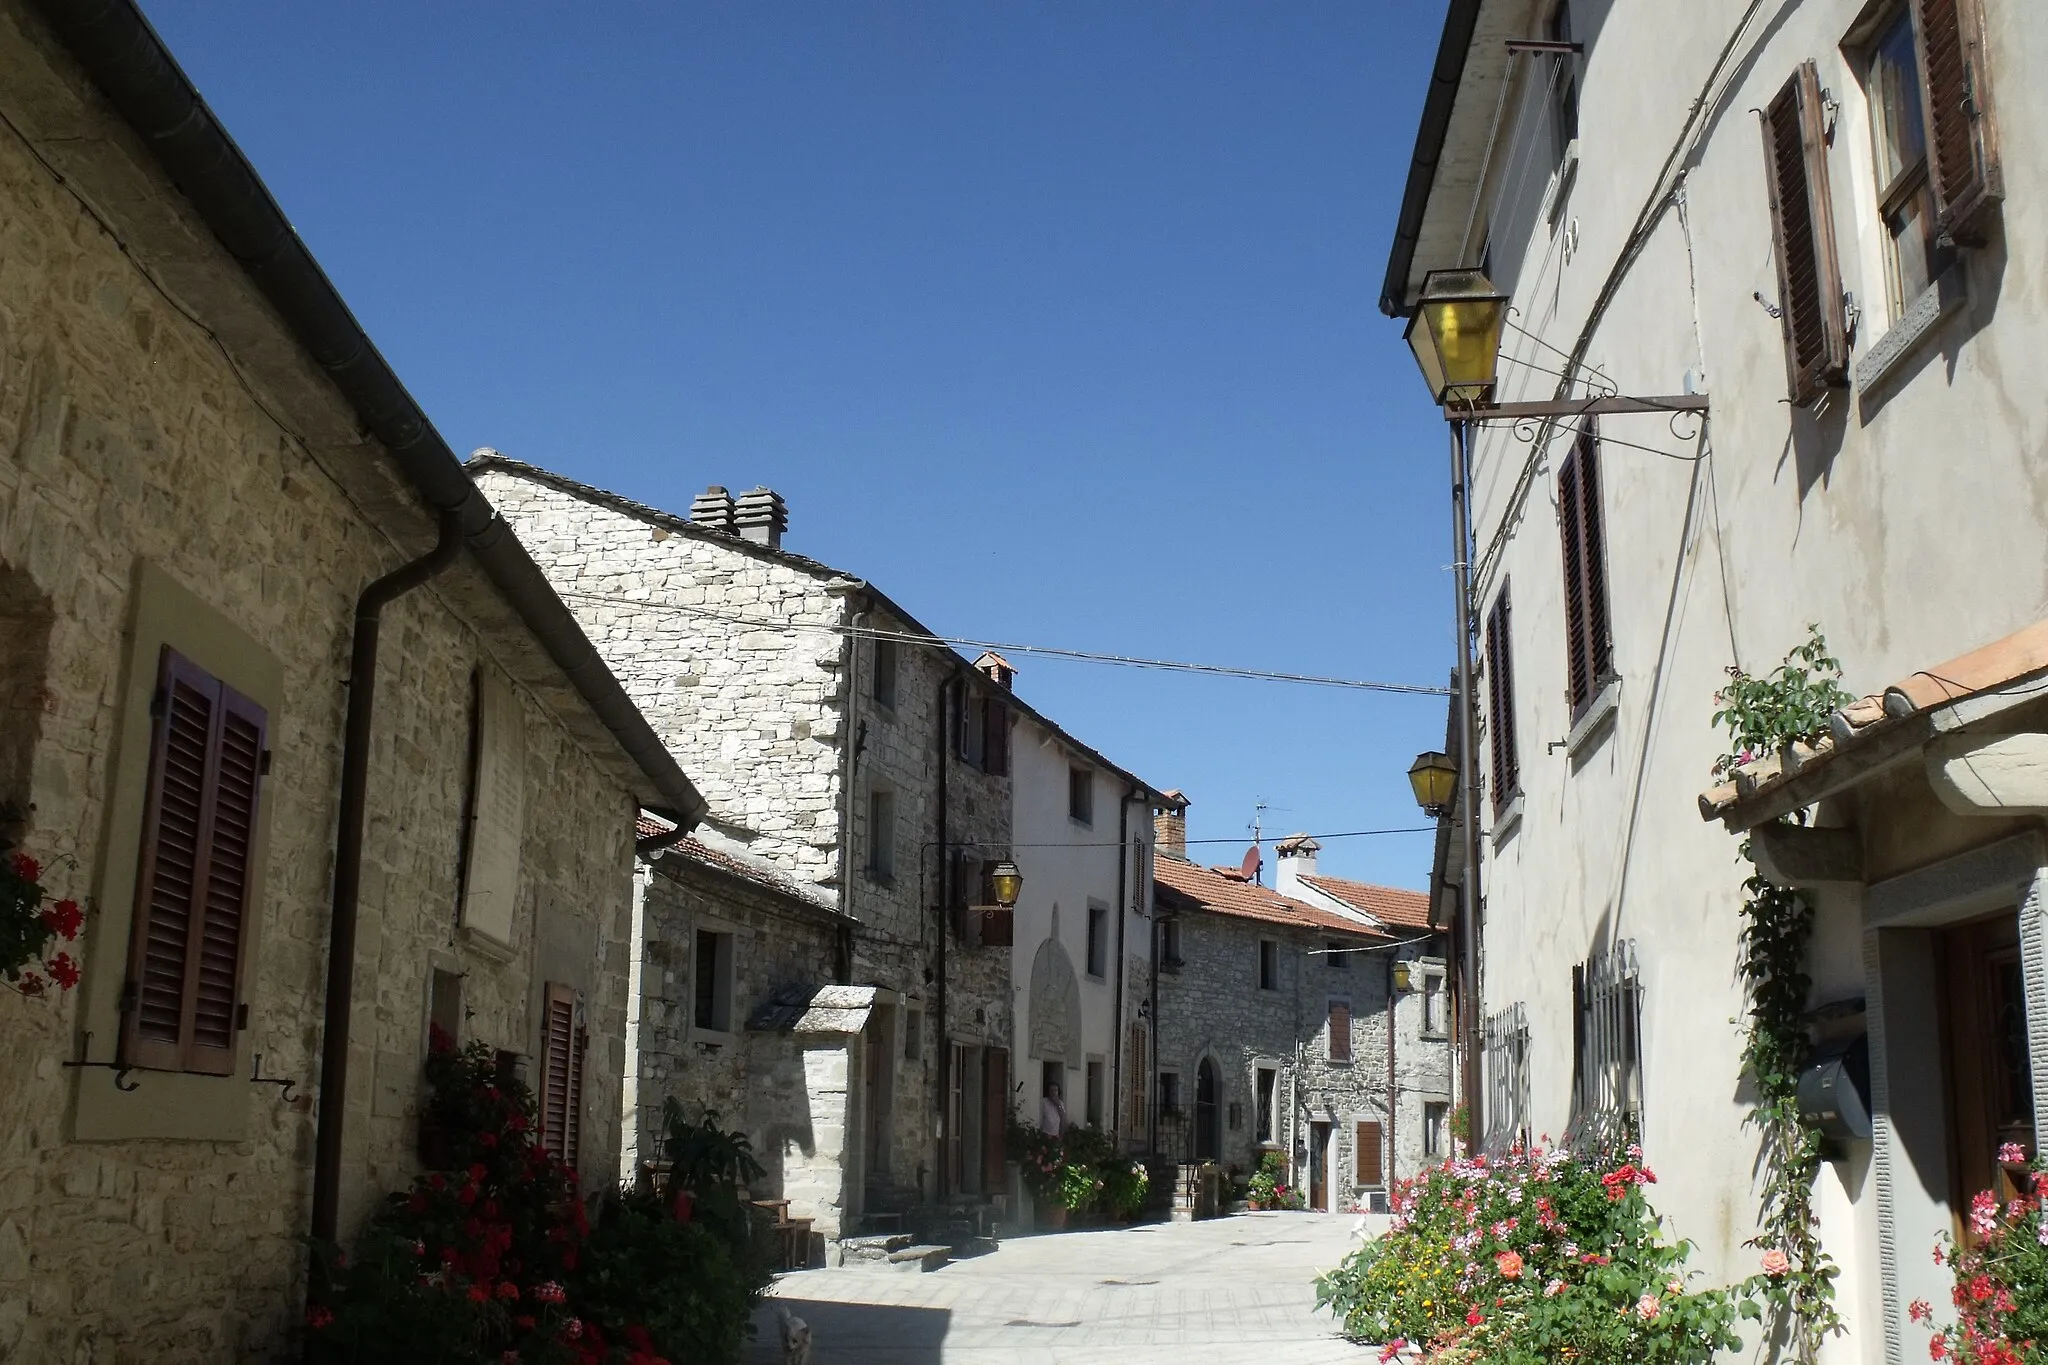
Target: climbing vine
1763,714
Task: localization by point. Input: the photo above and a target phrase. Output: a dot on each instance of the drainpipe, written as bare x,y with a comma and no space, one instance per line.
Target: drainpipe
348,866
848,756
944,1182
1393,1095
1158,1037
1123,895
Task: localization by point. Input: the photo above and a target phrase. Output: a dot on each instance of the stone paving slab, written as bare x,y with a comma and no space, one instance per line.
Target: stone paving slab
1241,1287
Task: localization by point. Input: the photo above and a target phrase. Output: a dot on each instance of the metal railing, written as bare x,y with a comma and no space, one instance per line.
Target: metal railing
1607,1051
1504,1056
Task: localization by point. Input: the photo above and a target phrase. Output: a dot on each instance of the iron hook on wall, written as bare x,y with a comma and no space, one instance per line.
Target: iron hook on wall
121,1077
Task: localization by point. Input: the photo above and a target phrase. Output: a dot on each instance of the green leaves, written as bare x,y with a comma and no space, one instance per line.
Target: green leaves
1792,702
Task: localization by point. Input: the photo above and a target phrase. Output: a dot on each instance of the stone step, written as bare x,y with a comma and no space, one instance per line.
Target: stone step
872,1250
920,1258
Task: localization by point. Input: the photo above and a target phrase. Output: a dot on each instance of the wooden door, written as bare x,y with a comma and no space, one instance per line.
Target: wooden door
1319,1166
1990,1078
995,1107
1208,1130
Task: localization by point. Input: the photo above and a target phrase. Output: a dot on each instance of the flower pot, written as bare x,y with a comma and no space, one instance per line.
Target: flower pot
1052,1216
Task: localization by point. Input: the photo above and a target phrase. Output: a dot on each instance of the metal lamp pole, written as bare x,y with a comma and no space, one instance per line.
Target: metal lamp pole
1468,770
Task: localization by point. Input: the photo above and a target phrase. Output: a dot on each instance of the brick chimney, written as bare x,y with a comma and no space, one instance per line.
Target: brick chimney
1295,858
1170,826
713,510
996,669
761,517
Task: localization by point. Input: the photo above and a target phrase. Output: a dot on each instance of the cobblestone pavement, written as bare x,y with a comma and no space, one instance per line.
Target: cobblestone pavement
1231,1289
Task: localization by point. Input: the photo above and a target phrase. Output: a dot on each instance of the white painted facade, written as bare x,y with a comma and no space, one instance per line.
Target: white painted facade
1907,514
1079,874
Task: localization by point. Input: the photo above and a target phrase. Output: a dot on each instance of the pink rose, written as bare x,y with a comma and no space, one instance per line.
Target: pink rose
1776,1262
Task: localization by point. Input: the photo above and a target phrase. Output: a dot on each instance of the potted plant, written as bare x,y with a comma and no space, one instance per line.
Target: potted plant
31,925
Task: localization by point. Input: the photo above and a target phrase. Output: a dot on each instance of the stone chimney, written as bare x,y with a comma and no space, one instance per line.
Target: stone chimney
1294,858
713,510
996,669
1170,826
761,517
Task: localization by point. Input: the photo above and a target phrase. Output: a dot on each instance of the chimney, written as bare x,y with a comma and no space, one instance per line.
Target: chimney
762,517
1295,858
713,510
1170,827
996,669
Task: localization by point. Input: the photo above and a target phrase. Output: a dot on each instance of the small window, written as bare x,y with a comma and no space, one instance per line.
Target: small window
913,1035
1269,965
995,745
884,682
1371,1173
1169,1092
206,764
1268,1088
1589,646
1500,703
1340,1031
712,1000
1338,958
1169,944
1096,1076
1436,1117
1098,941
1563,83
1607,1067
444,1006
561,1074
970,722
882,835
1432,1003
1081,795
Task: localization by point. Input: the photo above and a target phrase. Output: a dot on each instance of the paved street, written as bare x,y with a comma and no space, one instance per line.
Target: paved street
1131,1295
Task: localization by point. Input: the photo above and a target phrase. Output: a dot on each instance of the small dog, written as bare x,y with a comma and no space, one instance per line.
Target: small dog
796,1339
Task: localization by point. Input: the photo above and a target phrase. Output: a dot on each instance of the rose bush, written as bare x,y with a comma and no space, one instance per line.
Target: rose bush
1531,1259
1268,1188
2000,1294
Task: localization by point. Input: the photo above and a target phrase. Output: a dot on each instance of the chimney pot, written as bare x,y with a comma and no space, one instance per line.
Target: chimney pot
1296,859
996,669
1170,827
713,510
761,517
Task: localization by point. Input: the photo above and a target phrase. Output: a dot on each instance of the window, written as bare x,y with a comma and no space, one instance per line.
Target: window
1433,1002
1269,965
1504,1068
995,718
913,1035
1169,945
1081,795
1589,648
1268,1086
970,721
882,835
1337,957
206,765
884,680
1340,1031
1371,1172
1436,1117
1500,703
1564,84
561,1074
444,1005
711,1002
1098,941
1134,1086
1095,1076
1607,1076
1811,312
1169,1092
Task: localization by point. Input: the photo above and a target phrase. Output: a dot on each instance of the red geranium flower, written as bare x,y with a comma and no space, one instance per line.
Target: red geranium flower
477,1172
25,867
479,1294
63,919
508,1290
319,1316
30,984
64,971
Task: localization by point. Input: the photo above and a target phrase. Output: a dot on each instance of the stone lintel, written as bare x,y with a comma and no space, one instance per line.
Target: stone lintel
1799,855
1990,774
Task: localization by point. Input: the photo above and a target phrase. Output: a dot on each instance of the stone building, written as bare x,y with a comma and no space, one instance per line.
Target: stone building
1862,311
202,471
1284,1026
869,769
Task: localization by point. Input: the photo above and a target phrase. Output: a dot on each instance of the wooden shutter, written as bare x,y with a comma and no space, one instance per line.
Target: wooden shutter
996,746
1589,646
192,879
561,1084
1134,1086
1340,1031
995,1094
1500,703
1368,1154
1962,144
1812,317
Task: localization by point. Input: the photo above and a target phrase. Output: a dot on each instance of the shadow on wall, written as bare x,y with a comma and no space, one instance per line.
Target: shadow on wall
852,1333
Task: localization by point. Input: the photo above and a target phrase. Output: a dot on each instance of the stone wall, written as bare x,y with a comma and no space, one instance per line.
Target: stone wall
126,440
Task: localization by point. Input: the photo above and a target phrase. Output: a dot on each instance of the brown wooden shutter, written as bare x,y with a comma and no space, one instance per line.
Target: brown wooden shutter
1368,1153
193,874
1589,644
561,1084
1500,691
1340,1031
1962,144
996,748
995,1095
1812,317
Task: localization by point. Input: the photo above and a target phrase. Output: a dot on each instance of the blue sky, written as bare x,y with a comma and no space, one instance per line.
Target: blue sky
1056,321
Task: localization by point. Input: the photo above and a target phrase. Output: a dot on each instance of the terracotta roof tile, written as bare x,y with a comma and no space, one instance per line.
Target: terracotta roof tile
1227,895
1387,904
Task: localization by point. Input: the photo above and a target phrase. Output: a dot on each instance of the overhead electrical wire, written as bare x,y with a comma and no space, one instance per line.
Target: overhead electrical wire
1011,647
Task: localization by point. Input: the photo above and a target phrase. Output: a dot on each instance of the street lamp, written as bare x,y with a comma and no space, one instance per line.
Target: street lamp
1434,779
1007,883
1455,334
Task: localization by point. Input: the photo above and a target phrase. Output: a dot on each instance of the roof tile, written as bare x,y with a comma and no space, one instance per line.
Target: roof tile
1227,895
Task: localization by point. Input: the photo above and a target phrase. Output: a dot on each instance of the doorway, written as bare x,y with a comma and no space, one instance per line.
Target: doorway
878,1085
1208,1133
1984,1038
1319,1166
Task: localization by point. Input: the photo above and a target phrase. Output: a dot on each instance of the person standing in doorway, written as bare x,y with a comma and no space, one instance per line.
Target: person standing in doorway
1052,1114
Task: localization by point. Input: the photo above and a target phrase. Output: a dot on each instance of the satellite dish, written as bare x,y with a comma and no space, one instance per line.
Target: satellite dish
1249,869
